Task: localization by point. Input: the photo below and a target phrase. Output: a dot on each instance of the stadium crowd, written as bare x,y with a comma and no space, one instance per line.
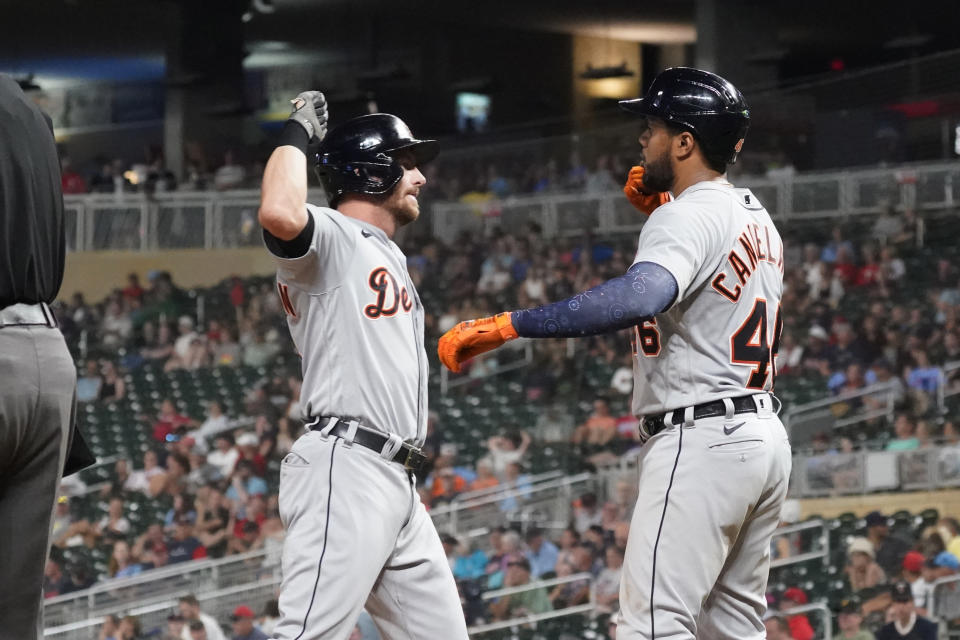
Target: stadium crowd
855,319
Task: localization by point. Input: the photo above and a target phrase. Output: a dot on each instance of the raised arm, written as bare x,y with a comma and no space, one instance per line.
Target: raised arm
283,196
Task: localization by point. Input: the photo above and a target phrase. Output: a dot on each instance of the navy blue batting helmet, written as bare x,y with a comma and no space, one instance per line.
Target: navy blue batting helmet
358,156
703,103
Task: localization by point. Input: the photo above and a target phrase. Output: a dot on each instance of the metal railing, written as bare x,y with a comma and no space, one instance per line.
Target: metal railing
213,220
168,220
533,618
820,544
525,345
924,187
865,471
877,401
530,502
943,599
156,585
153,616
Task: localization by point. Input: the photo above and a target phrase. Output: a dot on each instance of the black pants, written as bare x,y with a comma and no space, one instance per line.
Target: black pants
37,404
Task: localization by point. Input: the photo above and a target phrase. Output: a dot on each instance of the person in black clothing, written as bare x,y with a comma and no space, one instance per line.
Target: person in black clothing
37,374
906,625
890,549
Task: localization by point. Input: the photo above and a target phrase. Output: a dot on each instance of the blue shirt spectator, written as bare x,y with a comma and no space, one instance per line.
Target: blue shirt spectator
542,553
468,567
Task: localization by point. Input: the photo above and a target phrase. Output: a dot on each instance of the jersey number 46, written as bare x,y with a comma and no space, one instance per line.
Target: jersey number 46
751,344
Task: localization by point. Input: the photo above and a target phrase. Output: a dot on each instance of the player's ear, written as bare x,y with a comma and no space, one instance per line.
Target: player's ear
684,144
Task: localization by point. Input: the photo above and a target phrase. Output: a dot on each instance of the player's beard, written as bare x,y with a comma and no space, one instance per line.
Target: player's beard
658,174
404,209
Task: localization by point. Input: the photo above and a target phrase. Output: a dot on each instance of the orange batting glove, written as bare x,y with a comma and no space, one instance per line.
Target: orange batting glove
473,337
639,196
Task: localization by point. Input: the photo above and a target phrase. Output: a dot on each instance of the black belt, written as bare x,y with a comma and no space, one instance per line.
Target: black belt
26,315
409,456
657,423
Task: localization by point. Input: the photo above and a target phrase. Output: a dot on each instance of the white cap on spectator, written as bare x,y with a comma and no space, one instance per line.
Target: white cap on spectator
816,331
186,321
248,440
863,546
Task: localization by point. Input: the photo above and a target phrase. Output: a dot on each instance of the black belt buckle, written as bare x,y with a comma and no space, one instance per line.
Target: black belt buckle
414,459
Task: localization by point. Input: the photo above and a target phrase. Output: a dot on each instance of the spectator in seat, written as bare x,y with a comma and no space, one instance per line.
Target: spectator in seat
943,564
904,428
599,428
243,629
190,610
71,182
113,388
122,564
53,579
541,553
197,630
777,628
485,478
129,628
89,384
467,565
800,628
183,546
890,549
444,483
531,601
110,629
224,456
113,526
849,619
862,569
913,575
606,587
506,449
923,375
245,483
906,624
230,175
568,594
175,624
586,513
168,420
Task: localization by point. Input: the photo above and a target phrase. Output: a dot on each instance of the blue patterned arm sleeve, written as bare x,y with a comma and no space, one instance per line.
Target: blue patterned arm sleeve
643,291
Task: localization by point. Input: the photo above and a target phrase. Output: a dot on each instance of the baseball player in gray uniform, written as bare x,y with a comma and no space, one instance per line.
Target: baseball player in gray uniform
357,534
703,298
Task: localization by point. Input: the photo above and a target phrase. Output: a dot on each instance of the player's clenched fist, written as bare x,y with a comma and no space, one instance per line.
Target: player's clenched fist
310,112
473,337
639,196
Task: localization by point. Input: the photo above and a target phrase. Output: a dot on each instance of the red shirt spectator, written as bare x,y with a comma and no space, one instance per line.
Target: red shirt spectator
133,290
70,180
800,628
168,421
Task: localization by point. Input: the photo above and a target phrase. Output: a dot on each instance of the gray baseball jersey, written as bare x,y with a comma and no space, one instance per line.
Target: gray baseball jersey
357,322
719,337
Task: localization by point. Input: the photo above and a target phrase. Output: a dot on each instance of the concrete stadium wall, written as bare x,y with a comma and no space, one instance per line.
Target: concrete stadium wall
947,502
97,273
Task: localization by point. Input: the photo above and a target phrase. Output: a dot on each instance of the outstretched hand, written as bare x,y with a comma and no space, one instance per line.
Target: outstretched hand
473,337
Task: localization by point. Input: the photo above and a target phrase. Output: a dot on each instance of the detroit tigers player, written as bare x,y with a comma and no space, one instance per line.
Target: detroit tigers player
703,296
357,534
